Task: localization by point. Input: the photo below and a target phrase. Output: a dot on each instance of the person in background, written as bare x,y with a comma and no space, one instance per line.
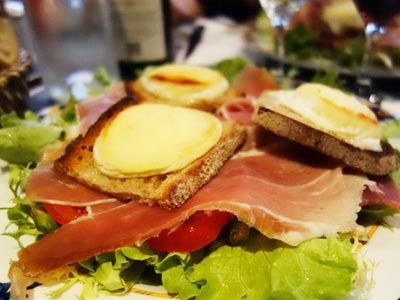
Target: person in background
238,10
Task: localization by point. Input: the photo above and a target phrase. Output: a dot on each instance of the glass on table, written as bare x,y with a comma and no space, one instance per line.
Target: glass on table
280,13
71,39
382,44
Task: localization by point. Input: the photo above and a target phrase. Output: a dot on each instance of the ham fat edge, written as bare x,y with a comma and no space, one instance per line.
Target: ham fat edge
284,191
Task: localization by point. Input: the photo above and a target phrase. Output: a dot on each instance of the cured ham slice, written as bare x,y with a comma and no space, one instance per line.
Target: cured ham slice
91,109
240,110
280,190
385,193
252,81
49,186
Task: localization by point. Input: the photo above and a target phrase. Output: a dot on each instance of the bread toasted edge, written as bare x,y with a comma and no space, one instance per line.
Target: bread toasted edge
370,162
167,190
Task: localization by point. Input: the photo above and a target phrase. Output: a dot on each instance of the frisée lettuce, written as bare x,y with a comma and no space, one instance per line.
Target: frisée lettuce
26,217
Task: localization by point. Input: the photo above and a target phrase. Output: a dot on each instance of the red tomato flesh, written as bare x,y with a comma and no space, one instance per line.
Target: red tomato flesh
199,230
64,214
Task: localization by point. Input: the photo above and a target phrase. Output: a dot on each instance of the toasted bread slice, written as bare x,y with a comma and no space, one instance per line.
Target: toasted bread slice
168,190
370,162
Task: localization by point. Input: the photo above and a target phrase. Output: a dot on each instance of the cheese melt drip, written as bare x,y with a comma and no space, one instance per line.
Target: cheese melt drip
330,111
150,139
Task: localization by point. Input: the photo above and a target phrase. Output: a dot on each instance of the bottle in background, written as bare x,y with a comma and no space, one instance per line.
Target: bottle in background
142,34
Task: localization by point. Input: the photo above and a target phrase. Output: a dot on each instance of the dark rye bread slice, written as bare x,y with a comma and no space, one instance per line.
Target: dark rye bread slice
167,190
370,162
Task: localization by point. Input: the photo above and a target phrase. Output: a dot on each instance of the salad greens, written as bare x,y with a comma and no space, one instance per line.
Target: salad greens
329,78
390,131
231,67
22,140
322,268
101,80
303,43
26,217
266,269
376,214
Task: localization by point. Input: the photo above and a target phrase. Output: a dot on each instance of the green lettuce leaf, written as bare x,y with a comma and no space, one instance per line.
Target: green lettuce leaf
302,43
259,269
118,271
329,78
391,133
231,67
351,54
264,269
22,145
375,214
390,129
101,82
22,140
26,217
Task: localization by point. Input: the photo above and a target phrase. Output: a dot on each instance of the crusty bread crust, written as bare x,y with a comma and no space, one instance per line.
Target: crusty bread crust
167,190
370,162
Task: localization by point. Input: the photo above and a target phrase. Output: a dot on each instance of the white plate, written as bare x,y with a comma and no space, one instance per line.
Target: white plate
383,252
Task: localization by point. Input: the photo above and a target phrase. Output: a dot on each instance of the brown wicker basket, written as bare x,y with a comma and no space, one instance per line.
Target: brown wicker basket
14,89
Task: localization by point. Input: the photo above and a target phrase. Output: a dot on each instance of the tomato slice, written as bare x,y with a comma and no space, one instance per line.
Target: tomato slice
64,214
199,230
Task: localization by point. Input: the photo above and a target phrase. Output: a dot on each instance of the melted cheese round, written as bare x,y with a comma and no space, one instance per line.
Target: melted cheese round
184,85
150,139
342,15
330,111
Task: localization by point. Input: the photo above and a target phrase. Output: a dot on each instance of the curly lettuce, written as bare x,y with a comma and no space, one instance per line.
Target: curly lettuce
26,217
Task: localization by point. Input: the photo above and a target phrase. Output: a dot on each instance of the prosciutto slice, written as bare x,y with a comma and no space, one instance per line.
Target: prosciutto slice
240,110
49,186
252,81
281,190
386,193
91,109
